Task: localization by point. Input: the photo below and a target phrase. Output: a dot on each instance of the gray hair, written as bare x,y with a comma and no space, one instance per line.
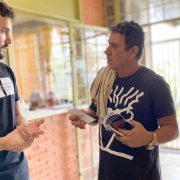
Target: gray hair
36,98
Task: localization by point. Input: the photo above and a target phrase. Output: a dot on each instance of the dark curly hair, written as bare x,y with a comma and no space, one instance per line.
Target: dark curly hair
133,35
6,11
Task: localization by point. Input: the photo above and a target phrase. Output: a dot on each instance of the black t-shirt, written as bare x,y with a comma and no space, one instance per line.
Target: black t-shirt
13,165
144,97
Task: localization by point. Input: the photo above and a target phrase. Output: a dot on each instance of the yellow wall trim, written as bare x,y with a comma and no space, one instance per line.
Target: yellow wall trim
59,9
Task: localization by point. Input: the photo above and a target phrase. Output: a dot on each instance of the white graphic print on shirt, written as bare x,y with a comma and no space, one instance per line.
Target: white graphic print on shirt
118,99
126,100
6,87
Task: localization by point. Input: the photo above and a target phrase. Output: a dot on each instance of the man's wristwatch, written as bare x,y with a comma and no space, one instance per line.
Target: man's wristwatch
153,143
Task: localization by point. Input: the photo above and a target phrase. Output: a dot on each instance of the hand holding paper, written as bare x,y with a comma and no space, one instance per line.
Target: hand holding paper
79,118
84,117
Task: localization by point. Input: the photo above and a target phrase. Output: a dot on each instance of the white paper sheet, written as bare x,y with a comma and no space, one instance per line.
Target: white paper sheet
84,117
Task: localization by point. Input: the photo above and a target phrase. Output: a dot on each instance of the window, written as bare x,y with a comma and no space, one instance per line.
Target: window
141,11
88,54
42,58
110,13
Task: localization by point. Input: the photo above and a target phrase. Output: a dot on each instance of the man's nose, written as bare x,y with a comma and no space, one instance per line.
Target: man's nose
8,40
107,51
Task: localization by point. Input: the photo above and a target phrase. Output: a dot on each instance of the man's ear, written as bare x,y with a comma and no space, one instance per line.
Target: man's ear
134,51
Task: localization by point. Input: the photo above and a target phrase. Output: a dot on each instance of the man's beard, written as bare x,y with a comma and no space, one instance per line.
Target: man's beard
1,53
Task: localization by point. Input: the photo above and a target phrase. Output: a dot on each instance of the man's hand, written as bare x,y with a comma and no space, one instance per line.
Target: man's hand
136,137
30,130
75,121
14,142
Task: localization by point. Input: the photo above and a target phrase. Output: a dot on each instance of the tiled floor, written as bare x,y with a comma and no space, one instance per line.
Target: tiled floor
170,164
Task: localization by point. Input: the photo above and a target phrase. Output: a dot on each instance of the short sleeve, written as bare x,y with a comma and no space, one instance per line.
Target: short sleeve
17,98
163,104
93,107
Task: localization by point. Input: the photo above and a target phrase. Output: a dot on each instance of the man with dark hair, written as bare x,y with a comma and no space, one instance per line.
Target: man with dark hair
133,35
142,98
14,137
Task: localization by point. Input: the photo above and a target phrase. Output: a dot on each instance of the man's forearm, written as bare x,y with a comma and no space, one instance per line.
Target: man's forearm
167,133
92,113
168,130
1,144
21,120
